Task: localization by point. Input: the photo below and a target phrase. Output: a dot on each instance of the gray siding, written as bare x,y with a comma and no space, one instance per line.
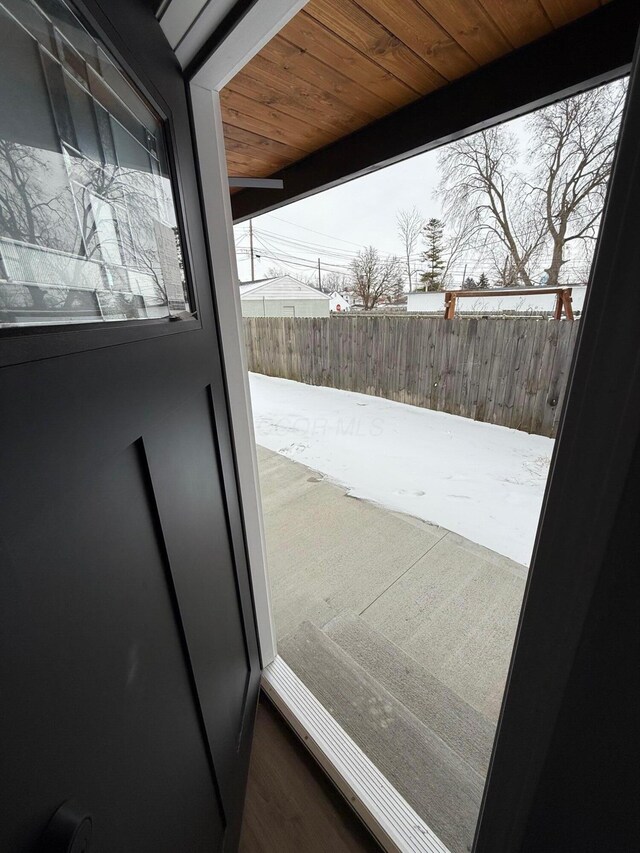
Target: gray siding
292,307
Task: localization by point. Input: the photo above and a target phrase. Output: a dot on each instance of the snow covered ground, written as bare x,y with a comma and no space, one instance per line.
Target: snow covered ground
483,481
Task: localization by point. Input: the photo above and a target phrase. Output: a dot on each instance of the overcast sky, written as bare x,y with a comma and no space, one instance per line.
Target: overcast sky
335,224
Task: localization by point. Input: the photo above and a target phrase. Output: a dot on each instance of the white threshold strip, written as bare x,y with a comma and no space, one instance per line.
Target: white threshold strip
395,825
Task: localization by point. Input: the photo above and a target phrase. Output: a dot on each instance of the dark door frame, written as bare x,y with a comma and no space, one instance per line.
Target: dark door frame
592,462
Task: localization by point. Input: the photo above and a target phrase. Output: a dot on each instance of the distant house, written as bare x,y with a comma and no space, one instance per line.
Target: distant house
338,302
283,296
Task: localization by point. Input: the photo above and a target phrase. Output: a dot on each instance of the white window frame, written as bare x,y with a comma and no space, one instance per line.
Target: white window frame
188,25
219,229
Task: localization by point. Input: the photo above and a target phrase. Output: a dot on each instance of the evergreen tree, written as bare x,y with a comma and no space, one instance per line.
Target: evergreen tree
470,283
433,256
483,282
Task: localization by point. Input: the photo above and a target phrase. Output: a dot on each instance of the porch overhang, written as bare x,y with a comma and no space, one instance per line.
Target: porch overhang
595,48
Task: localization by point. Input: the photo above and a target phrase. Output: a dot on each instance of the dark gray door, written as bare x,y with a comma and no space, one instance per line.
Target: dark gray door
128,649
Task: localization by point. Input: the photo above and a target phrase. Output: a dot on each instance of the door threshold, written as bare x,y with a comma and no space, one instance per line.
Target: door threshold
387,815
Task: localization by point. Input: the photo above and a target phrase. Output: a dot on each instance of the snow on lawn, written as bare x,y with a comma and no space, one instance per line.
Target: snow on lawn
483,481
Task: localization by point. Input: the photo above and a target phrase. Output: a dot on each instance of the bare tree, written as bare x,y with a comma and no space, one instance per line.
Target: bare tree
41,208
335,281
514,214
410,224
276,271
505,273
29,210
34,209
574,144
375,279
455,244
484,195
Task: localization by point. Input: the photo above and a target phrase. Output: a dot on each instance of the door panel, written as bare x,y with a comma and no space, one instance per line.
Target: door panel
186,482
100,692
129,656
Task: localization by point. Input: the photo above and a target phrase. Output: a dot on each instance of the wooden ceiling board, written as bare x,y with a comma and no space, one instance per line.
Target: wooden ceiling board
318,41
241,140
242,167
297,62
356,27
562,12
340,65
321,133
471,27
415,28
268,83
241,111
255,165
522,21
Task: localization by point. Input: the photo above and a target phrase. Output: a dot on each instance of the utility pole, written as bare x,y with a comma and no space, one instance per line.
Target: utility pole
319,276
464,276
253,274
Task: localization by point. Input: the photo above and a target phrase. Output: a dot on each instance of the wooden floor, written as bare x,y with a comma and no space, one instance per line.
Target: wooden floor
291,806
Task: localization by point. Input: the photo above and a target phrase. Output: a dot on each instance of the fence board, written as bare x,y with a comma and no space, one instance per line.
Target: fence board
507,371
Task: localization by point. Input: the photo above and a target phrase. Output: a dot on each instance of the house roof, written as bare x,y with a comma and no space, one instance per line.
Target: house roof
280,287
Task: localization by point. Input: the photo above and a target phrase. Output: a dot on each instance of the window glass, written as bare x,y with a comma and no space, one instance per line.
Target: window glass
88,229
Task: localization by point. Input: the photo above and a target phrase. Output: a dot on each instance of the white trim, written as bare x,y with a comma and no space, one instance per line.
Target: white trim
395,825
258,26
217,207
177,16
204,26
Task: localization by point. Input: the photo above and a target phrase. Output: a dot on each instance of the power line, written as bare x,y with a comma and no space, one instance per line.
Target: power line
271,248
302,244
337,251
312,230
309,266
292,260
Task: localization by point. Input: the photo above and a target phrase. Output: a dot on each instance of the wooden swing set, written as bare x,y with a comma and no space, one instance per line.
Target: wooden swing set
562,294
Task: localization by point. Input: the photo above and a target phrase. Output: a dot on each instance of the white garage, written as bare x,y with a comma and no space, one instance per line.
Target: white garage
284,296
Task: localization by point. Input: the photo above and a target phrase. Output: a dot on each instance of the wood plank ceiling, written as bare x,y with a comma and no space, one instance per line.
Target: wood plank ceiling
341,64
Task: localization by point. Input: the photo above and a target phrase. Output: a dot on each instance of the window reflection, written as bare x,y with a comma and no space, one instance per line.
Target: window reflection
88,229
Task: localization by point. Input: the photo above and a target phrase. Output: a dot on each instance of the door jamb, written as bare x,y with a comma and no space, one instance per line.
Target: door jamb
207,121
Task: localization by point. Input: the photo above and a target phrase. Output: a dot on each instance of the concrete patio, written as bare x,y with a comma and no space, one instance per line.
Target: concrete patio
403,630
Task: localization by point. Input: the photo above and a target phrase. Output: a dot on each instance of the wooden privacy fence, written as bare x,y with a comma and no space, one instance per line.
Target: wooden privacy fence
506,371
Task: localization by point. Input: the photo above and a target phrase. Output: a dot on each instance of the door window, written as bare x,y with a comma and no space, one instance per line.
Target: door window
88,228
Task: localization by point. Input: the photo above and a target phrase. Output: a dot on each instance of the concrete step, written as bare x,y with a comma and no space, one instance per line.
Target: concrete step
440,785
462,727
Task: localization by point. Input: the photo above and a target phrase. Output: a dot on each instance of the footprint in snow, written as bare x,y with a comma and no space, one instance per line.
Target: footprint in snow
293,448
